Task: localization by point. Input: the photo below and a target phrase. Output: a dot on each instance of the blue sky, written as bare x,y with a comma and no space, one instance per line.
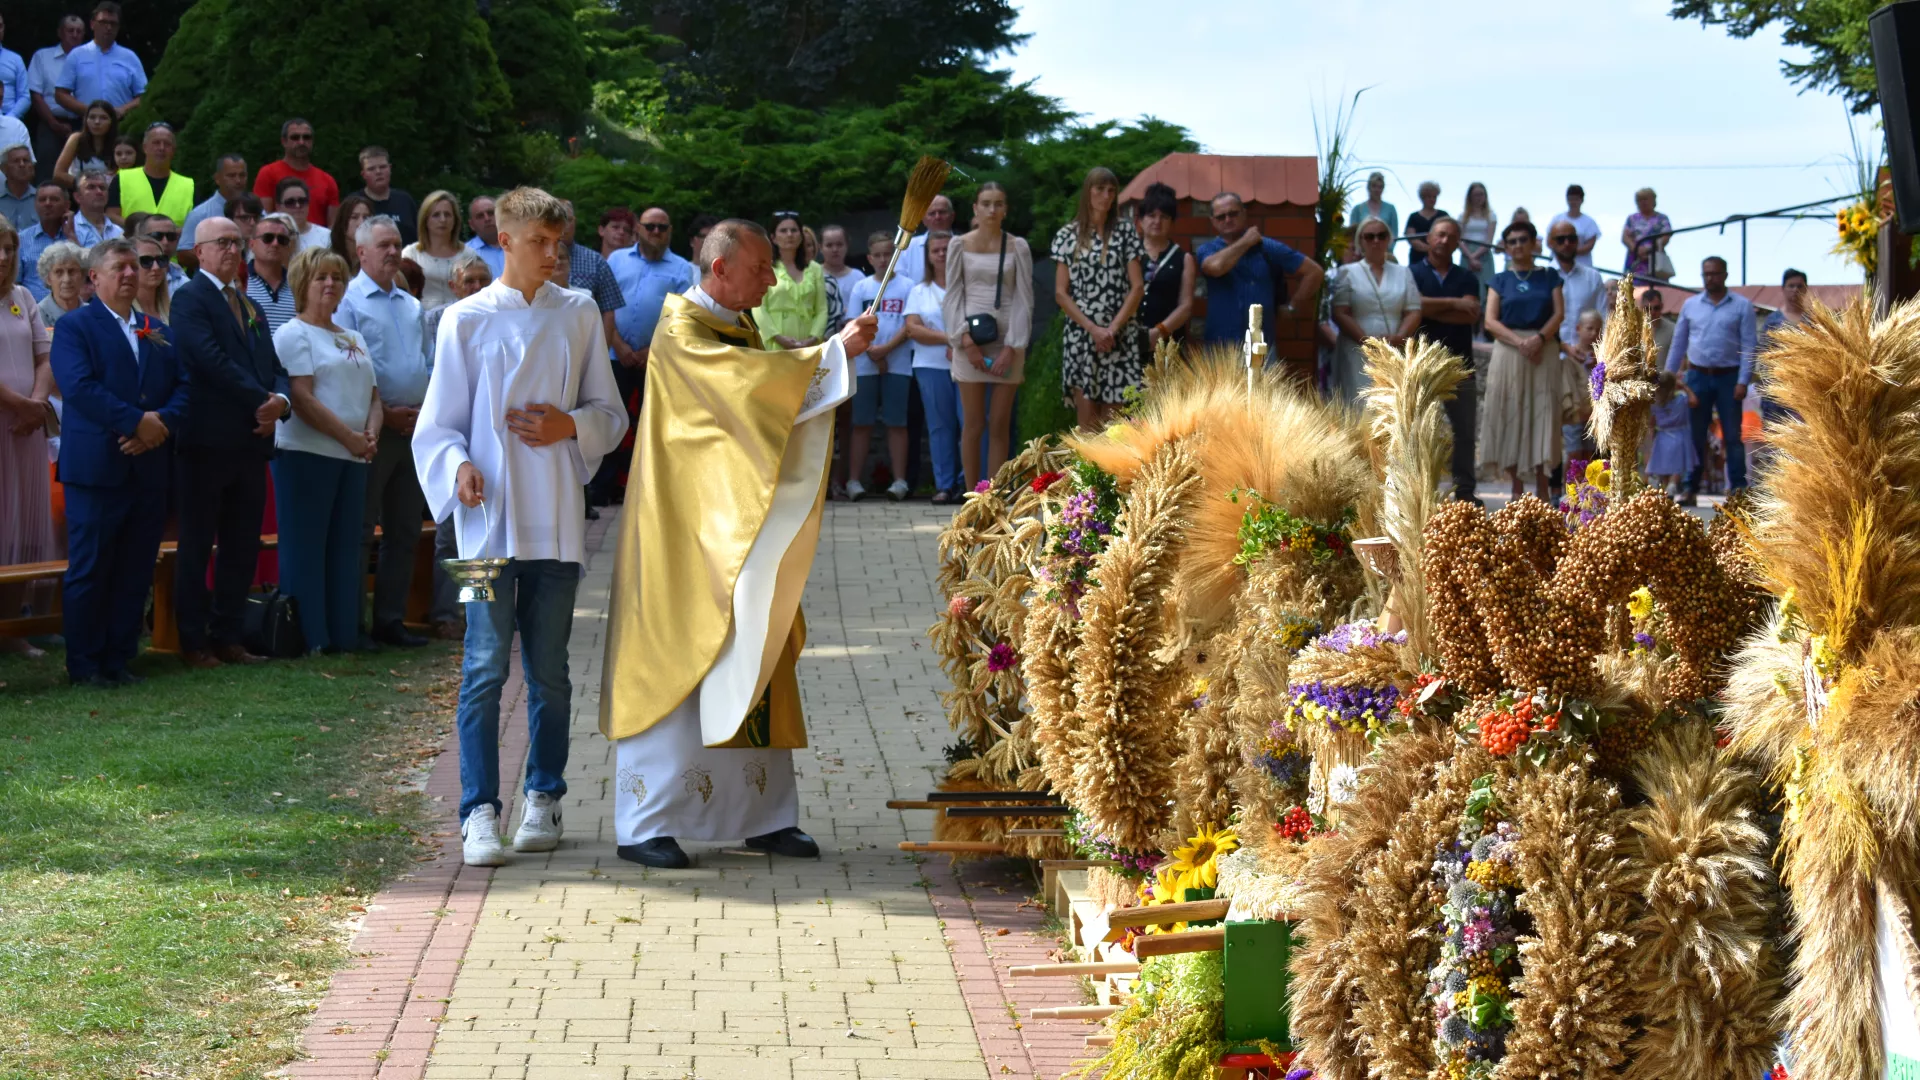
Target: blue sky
1539,94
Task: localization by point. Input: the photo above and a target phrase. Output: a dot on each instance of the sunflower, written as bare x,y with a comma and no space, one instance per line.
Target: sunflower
1640,604
1199,858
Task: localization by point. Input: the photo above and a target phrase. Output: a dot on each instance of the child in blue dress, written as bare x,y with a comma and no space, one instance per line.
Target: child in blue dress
1672,456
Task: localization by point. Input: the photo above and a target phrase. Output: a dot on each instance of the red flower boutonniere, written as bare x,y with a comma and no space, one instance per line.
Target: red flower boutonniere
148,331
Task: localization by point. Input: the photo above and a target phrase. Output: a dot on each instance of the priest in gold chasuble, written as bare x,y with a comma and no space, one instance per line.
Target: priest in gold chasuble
718,532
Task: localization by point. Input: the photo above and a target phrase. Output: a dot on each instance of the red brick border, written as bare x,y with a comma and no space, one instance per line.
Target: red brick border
991,926
382,1012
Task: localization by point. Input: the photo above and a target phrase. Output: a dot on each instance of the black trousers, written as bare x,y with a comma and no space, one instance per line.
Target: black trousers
1463,413
606,479
223,495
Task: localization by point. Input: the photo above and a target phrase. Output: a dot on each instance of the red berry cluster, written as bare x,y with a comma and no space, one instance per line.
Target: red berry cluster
1295,824
1045,480
1503,730
1409,702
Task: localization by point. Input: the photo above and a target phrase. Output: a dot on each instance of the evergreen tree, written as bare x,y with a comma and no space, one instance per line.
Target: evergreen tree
419,79
541,50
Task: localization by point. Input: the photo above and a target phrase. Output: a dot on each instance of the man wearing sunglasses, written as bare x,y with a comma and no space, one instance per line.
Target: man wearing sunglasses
323,192
272,247
1246,268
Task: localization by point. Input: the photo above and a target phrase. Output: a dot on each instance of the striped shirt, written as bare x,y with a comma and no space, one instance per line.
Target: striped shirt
275,304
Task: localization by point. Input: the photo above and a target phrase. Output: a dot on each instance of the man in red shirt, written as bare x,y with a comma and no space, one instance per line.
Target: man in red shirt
296,137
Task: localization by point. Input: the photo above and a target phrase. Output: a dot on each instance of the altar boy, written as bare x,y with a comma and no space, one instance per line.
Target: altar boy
521,408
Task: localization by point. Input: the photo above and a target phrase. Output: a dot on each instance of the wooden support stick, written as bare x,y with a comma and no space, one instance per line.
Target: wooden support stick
1075,970
937,846
990,796
1076,1012
1036,832
1099,1041
1075,864
1190,941
1167,914
912,804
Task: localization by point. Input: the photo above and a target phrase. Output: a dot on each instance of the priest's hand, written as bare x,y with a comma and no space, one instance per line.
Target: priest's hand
541,425
469,486
858,334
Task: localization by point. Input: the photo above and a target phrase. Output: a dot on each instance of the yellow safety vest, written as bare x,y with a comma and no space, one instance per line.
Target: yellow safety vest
136,195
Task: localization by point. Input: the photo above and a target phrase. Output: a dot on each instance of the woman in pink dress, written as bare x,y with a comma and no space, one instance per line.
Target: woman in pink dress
26,382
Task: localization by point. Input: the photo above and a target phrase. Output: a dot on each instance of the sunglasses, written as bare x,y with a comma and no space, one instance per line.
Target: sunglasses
163,237
1564,240
1227,215
152,262
1516,241
1374,236
293,202
300,138
655,227
784,215
273,238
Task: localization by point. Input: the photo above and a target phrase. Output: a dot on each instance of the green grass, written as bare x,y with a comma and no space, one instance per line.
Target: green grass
178,860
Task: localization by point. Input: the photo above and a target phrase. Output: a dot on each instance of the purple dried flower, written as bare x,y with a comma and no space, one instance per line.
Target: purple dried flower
1597,379
1645,641
1001,657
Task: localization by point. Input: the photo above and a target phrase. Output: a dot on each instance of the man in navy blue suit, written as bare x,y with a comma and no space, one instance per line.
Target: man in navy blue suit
125,400
236,393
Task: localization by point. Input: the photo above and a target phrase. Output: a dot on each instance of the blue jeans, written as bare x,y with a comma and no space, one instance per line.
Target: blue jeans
534,596
319,501
941,401
1713,388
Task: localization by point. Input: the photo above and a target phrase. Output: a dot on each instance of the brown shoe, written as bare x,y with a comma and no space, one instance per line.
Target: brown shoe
450,630
238,654
199,659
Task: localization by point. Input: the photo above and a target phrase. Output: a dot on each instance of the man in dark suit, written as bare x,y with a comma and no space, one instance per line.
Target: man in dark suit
125,399
236,393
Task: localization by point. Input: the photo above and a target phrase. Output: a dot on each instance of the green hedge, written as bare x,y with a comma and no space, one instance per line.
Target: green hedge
1043,408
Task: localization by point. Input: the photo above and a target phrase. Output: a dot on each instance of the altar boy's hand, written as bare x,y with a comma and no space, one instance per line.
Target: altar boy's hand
540,425
858,334
469,486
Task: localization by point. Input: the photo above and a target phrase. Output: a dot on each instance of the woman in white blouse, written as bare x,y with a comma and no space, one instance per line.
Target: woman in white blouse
292,198
320,472
1373,298
439,245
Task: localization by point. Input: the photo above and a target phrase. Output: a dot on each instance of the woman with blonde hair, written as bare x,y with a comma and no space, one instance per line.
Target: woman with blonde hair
324,451
152,299
26,383
1478,223
1374,298
439,245
1098,283
1646,235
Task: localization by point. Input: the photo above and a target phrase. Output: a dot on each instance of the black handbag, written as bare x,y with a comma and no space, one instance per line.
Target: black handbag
271,626
985,328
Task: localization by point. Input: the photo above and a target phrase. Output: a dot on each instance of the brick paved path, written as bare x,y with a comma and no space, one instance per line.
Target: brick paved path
585,967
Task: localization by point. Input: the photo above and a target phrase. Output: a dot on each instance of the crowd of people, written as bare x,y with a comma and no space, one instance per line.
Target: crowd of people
305,319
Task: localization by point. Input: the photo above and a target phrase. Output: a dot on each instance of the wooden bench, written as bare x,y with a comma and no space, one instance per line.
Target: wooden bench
166,631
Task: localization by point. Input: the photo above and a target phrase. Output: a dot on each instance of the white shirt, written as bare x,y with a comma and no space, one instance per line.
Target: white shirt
913,261
1582,289
316,236
14,133
342,381
890,313
495,351
1584,227
925,301
127,326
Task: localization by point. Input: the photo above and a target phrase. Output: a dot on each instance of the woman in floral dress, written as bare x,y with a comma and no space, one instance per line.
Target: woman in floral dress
1098,284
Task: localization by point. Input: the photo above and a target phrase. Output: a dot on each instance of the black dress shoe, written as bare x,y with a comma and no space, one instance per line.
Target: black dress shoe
399,635
789,841
593,513
123,677
661,851
93,682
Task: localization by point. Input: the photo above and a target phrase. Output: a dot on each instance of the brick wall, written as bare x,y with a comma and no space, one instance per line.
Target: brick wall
1293,339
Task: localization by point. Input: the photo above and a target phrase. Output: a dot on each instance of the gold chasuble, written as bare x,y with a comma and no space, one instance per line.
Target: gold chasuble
720,526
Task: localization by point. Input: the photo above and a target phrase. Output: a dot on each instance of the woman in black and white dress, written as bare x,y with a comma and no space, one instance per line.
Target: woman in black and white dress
1098,284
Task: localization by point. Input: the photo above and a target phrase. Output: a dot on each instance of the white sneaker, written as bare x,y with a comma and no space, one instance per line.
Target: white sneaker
480,838
539,823
897,490
856,491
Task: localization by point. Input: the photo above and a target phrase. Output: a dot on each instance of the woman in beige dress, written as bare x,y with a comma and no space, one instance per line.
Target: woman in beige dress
1520,415
988,273
439,245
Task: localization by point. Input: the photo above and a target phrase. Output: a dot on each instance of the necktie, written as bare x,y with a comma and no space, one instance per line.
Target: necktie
233,303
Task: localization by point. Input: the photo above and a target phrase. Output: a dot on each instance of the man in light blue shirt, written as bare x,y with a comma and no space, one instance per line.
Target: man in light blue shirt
486,235
50,203
102,70
1716,339
43,71
91,224
13,78
229,183
388,316
646,272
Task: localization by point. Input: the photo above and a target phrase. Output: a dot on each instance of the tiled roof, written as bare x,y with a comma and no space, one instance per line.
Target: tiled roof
1274,181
